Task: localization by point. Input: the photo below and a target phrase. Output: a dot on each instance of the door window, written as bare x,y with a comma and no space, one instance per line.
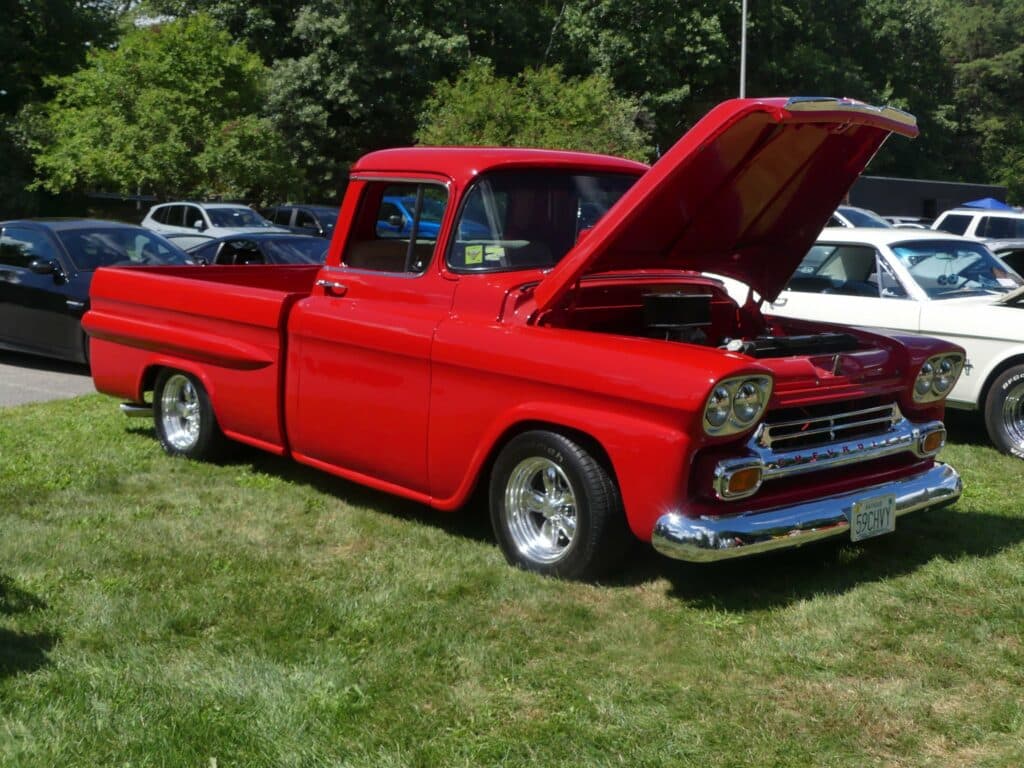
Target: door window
955,224
304,219
283,216
19,247
397,227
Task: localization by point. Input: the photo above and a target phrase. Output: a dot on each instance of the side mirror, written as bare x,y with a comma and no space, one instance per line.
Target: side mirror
41,267
199,225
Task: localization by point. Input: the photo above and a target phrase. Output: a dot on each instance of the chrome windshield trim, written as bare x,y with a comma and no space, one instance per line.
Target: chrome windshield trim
709,539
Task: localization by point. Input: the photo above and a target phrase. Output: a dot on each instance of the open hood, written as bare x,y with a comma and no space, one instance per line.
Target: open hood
744,193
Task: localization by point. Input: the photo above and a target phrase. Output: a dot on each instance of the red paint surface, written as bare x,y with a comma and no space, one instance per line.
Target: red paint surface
411,383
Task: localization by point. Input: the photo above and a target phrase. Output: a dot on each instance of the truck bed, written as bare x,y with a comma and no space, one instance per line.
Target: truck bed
225,324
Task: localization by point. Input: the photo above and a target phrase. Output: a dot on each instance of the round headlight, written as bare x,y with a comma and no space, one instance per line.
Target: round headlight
923,384
945,374
718,407
747,402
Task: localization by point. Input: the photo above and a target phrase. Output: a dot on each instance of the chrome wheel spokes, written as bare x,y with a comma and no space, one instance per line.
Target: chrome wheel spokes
180,412
540,510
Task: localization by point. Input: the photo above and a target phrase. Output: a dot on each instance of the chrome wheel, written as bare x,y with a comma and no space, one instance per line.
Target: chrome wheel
540,510
1012,416
180,412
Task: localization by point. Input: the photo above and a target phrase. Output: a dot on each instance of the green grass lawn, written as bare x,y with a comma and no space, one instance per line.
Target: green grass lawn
160,612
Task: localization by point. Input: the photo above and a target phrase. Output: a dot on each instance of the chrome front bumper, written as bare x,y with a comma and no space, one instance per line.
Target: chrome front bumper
707,539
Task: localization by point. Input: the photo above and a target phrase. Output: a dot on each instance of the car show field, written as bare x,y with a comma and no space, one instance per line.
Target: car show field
274,615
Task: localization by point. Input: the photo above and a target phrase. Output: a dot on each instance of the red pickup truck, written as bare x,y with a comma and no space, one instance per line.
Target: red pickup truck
544,329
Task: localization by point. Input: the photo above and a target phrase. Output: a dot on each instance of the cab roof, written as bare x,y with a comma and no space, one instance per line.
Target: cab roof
462,164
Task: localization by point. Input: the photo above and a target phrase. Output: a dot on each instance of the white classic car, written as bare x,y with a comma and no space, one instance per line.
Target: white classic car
932,284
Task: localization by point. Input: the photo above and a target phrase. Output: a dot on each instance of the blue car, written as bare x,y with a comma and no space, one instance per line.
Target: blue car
396,214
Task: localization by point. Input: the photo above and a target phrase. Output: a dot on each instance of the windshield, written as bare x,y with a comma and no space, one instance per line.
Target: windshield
236,217
949,269
90,249
301,250
861,218
530,219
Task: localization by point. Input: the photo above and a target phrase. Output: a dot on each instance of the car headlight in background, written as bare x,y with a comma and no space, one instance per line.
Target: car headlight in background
937,377
736,404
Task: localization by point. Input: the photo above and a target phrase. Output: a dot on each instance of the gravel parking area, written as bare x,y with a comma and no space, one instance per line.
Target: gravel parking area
28,379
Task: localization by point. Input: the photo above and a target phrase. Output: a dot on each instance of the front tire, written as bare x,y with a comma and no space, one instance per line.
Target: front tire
555,509
1004,411
184,418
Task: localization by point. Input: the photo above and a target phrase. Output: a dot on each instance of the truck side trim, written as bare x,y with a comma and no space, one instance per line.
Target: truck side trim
181,342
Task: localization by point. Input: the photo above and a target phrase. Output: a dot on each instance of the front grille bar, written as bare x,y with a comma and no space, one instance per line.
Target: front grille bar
833,427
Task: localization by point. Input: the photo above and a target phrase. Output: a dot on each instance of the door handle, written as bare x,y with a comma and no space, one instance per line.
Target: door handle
332,288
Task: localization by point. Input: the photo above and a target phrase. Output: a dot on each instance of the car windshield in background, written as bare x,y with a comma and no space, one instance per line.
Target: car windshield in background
946,270
236,217
529,219
311,250
91,249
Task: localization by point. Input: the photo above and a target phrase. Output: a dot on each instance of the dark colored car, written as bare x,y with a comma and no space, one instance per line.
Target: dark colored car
46,267
269,248
1010,252
317,220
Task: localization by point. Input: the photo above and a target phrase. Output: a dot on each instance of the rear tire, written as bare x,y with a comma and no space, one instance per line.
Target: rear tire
184,418
555,509
1004,411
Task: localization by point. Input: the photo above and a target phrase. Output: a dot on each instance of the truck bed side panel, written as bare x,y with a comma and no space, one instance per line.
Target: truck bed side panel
223,324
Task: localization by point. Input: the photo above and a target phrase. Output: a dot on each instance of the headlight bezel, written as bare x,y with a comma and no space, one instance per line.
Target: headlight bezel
740,418
927,387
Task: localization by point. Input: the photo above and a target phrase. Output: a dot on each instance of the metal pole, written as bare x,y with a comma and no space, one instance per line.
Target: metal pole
743,51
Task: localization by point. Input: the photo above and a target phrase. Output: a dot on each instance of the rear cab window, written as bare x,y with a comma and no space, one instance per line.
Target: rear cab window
397,227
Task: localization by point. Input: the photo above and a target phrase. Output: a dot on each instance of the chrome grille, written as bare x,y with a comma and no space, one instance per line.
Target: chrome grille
818,429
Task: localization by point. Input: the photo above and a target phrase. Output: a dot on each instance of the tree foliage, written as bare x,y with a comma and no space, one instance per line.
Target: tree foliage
538,108
173,109
344,77
40,38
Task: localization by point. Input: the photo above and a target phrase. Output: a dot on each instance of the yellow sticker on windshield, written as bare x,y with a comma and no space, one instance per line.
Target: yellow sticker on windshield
474,254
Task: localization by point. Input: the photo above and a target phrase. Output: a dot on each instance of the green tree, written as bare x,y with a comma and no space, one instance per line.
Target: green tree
538,108
41,38
984,45
173,110
349,76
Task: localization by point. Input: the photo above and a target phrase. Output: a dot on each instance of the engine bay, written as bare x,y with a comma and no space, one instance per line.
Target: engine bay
698,311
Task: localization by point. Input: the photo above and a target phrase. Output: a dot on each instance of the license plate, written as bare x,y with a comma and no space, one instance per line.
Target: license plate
873,517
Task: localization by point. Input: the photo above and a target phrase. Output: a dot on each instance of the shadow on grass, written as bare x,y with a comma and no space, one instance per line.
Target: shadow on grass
471,523
759,582
966,428
20,652
833,567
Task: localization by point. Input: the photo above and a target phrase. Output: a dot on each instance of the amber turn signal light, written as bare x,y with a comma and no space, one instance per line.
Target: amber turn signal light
744,481
933,441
